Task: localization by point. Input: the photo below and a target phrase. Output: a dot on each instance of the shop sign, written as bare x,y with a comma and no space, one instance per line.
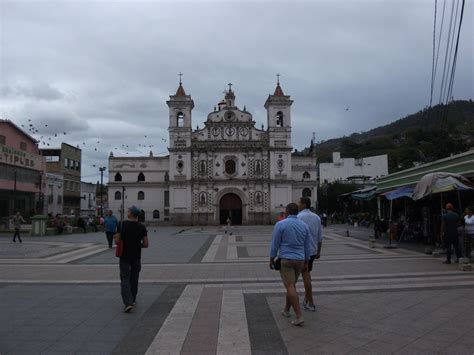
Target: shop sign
16,157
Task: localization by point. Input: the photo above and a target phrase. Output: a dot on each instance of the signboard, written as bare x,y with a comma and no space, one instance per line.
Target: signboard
16,157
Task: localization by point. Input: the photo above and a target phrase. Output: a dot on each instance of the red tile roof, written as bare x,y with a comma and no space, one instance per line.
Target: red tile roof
180,91
278,91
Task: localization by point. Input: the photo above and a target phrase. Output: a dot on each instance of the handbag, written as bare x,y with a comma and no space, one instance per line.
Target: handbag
119,248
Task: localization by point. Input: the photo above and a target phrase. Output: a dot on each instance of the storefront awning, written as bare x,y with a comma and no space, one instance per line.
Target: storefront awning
399,193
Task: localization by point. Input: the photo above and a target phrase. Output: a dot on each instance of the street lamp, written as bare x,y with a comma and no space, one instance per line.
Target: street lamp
102,169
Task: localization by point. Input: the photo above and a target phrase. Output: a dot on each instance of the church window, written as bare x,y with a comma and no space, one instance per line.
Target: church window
180,119
306,192
202,167
156,214
258,167
167,176
279,119
306,175
230,167
167,198
141,177
118,177
118,195
141,195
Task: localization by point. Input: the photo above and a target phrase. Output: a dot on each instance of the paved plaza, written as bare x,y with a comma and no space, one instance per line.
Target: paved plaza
209,291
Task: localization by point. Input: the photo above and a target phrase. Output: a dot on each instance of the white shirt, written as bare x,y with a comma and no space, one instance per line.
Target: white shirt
469,224
314,223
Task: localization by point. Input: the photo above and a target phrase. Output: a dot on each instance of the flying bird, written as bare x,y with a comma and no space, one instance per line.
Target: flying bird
347,108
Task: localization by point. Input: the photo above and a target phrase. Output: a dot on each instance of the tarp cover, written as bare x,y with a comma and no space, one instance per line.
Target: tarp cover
364,196
399,193
440,182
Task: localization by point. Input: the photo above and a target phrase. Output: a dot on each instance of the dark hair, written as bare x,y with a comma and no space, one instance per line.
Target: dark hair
306,201
291,208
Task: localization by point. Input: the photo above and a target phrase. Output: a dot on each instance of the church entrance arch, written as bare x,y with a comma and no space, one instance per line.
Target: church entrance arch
230,206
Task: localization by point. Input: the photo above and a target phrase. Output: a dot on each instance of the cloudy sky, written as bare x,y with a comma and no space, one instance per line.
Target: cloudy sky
101,71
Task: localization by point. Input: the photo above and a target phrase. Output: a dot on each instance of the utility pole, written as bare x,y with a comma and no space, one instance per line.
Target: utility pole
102,169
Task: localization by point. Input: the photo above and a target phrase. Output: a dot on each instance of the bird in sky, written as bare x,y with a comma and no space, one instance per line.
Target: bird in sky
347,108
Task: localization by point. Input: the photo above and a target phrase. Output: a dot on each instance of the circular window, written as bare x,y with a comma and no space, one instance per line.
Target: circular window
244,131
230,131
229,116
215,131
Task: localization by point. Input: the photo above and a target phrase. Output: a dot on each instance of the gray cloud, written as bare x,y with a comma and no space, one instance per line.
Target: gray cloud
103,70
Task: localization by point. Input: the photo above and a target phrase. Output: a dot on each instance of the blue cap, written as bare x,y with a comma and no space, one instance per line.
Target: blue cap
134,210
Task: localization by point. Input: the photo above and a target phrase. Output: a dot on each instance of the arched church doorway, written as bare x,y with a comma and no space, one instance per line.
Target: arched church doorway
230,206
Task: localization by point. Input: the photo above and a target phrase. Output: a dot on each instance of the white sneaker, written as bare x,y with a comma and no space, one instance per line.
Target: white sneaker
285,314
309,307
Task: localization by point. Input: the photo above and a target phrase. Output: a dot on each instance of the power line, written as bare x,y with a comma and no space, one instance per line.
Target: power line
453,69
434,45
439,42
441,90
450,56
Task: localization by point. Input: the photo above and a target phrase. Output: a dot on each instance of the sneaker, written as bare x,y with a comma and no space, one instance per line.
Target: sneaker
286,314
310,307
127,309
298,321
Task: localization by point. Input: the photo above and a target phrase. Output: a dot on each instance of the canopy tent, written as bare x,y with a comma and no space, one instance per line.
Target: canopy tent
404,191
362,194
440,182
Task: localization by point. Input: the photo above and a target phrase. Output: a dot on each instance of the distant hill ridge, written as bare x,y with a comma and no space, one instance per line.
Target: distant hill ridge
425,136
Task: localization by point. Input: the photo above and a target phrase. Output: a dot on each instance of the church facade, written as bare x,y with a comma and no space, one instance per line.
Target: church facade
229,169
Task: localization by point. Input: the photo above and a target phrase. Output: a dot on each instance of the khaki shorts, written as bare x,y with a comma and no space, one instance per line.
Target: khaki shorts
291,270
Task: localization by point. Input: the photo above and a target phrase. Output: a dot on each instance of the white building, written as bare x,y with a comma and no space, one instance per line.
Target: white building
361,171
53,196
228,168
88,199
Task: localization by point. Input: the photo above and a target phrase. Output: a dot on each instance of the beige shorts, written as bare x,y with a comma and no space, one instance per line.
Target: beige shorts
291,270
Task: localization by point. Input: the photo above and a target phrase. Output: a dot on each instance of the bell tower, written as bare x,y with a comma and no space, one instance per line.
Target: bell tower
180,109
278,108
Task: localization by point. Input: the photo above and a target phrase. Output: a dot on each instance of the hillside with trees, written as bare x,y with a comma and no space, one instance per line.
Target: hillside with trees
425,136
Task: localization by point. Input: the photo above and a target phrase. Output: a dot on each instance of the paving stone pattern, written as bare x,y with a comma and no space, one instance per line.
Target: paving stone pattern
208,290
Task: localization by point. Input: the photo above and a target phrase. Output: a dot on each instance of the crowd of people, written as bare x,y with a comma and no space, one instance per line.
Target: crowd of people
296,243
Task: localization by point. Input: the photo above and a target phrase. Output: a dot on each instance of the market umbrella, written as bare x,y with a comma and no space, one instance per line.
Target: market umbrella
434,183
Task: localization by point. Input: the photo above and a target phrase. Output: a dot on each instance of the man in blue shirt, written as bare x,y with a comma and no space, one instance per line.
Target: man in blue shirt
291,242
314,224
110,223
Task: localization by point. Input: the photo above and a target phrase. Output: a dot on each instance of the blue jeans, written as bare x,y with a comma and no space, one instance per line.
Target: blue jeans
129,273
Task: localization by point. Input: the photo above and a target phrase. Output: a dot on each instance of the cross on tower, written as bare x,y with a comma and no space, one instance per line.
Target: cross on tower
230,87
278,79
180,75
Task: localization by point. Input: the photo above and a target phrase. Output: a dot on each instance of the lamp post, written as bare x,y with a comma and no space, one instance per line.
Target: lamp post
102,169
123,203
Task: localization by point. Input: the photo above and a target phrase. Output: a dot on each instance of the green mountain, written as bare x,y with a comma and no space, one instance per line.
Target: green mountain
425,136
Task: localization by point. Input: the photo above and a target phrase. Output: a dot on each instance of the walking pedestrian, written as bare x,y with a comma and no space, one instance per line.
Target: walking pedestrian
134,237
291,243
17,221
110,223
450,233
313,222
468,231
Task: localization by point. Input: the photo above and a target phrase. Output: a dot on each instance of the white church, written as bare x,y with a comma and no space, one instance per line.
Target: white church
227,169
